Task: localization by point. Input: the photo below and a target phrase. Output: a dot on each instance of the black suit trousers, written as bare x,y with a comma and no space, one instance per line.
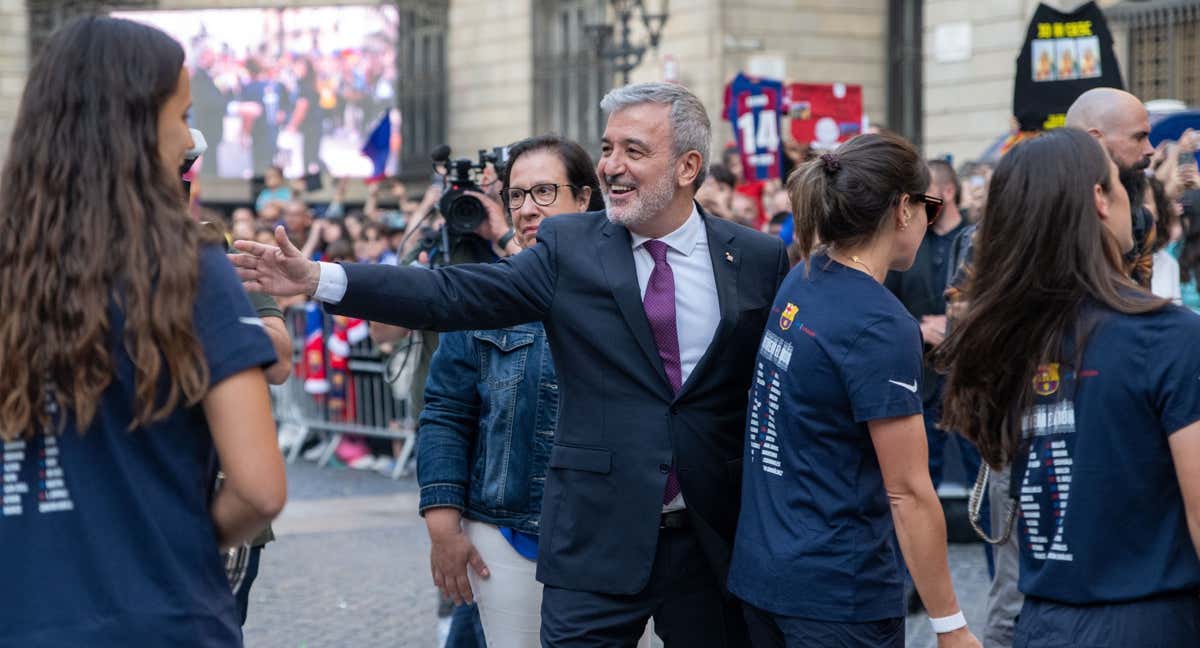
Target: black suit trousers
689,607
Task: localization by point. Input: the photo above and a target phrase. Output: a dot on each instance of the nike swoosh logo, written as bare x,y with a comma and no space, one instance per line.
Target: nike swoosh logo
912,388
252,321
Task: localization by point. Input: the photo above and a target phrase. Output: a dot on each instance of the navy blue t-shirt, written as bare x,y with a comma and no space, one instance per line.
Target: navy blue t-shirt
814,538
108,538
1101,515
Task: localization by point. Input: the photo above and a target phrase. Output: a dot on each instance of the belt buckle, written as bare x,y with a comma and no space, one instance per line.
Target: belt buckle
673,520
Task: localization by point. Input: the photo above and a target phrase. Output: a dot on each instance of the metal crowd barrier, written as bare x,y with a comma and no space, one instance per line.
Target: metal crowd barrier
374,410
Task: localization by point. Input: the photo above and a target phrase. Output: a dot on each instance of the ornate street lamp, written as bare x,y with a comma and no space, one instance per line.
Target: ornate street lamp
621,52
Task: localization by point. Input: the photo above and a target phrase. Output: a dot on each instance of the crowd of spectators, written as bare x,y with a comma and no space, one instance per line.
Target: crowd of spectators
391,226
1171,197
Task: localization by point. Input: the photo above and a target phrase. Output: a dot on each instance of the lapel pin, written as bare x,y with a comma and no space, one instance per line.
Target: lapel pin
729,257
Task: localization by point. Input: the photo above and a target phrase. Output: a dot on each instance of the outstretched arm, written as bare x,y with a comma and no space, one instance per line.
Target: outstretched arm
516,290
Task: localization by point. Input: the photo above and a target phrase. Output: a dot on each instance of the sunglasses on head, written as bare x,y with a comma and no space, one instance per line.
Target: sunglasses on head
933,205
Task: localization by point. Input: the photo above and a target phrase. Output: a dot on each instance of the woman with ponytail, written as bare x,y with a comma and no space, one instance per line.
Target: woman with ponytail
130,353
835,442
835,466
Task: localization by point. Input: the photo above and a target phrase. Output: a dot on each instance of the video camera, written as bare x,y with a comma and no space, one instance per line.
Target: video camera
463,213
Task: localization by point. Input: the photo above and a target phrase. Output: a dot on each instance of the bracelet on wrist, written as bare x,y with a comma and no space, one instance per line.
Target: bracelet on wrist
503,241
942,625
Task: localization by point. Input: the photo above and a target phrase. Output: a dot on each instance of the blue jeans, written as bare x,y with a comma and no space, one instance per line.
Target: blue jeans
465,629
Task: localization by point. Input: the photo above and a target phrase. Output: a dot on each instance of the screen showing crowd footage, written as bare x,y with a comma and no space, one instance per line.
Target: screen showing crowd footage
300,88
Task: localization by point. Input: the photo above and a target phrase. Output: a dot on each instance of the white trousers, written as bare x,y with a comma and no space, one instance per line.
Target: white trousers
510,600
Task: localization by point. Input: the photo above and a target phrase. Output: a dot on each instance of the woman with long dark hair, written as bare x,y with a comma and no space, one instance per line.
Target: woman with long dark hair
836,463
1056,367
129,353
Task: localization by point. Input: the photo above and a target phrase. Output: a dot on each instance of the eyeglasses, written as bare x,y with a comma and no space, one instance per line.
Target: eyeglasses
542,194
933,205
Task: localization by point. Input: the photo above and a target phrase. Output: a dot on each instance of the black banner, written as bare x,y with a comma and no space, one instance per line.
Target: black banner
1065,54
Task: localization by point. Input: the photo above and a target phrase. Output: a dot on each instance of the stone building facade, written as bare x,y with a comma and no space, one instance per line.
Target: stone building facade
968,94
504,69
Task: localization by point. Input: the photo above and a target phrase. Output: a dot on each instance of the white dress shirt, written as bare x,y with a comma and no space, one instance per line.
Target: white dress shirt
331,286
697,309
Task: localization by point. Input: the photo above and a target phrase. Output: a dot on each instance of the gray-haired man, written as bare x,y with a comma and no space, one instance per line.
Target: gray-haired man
653,311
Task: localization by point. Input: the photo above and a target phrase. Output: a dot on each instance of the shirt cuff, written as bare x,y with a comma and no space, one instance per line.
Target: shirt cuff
331,285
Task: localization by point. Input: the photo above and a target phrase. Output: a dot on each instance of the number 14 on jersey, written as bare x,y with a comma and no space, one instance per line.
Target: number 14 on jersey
754,108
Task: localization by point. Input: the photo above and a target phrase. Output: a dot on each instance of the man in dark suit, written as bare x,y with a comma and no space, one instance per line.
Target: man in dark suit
654,312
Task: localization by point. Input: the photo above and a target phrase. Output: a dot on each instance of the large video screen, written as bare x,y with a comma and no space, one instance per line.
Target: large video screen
299,88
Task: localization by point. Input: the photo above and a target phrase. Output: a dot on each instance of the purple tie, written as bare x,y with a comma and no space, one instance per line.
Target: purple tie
659,303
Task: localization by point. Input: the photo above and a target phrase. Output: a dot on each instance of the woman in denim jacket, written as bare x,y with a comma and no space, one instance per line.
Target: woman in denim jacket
491,407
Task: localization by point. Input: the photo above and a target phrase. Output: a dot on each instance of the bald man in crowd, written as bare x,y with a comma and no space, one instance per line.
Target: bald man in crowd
1120,122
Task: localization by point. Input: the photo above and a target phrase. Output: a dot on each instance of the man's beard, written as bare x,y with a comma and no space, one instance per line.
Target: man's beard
652,200
1134,181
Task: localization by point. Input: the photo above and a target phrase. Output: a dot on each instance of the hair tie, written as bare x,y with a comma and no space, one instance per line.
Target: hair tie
832,163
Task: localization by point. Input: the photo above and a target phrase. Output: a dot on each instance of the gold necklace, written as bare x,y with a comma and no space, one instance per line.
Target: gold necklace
856,259
862,263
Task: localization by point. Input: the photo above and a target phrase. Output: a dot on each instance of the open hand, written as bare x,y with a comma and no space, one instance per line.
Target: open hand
280,270
448,559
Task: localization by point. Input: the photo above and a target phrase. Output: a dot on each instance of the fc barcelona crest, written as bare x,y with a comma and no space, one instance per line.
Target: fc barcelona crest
1045,381
788,316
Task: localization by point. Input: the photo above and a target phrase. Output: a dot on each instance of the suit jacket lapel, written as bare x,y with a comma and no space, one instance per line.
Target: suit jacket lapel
616,260
727,262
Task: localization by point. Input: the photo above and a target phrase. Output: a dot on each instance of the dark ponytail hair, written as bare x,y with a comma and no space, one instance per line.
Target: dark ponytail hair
843,198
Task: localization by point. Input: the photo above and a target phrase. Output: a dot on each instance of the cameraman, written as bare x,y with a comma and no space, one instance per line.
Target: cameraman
465,223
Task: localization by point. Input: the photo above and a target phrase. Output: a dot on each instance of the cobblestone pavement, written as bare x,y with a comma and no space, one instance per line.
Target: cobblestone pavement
350,568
